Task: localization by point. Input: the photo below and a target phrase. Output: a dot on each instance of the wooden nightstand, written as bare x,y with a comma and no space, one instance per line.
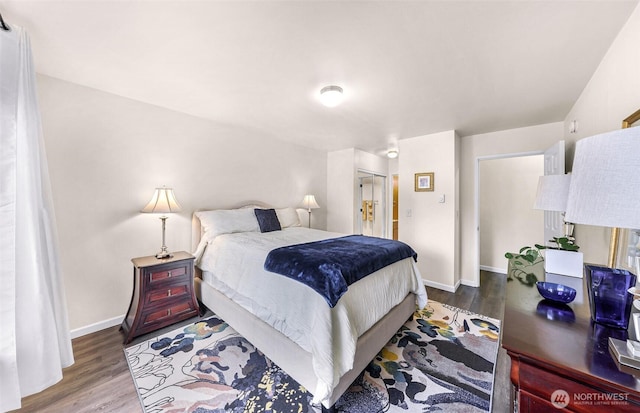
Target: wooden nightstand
163,294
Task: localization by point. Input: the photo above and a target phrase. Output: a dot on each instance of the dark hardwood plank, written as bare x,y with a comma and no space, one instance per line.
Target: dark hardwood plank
100,381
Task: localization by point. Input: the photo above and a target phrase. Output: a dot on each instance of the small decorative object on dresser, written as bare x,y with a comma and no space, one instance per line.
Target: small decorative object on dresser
163,294
564,259
559,293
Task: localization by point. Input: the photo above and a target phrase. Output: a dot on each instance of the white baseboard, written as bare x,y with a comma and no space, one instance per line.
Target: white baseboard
470,283
493,269
444,287
92,328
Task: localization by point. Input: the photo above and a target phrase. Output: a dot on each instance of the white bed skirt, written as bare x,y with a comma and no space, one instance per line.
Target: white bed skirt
292,358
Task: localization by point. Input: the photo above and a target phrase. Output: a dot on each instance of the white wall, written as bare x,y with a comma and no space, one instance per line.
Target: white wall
340,191
612,94
106,155
522,140
431,228
508,221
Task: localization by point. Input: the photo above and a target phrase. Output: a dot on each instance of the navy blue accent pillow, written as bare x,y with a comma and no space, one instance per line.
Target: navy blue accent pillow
268,220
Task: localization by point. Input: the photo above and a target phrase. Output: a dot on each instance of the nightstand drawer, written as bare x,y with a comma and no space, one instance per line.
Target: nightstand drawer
167,313
167,274
169,292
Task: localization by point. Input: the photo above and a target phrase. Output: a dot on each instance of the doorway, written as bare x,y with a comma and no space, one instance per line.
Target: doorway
372,218
507,220
552,162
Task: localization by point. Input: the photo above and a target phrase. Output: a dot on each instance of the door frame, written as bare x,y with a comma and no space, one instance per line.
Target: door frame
476,205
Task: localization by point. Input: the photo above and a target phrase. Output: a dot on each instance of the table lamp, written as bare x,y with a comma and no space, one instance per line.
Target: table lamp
163,202
552,194
309,203
605,191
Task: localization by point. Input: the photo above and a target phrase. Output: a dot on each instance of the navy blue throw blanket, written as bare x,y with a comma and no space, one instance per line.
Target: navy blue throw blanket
330,266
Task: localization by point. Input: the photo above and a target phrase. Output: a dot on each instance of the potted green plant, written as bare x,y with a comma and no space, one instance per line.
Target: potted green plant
524,265
564,258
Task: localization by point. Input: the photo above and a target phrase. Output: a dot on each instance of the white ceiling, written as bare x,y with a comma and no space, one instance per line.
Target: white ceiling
407,68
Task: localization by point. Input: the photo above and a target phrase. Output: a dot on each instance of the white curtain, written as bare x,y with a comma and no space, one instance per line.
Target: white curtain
34,335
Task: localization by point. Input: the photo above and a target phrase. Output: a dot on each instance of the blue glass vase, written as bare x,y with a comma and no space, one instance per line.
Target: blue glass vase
609,300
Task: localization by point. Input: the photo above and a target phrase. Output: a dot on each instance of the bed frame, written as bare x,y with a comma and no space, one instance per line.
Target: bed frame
288,355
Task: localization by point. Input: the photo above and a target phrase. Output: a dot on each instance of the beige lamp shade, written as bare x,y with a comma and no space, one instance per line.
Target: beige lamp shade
605,180
309,202
552,193
163,201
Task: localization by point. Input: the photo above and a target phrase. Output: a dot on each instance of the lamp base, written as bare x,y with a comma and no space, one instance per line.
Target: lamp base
164,253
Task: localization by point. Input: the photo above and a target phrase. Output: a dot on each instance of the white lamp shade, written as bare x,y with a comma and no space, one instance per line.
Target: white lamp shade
309,202
605,180
552,193
163,201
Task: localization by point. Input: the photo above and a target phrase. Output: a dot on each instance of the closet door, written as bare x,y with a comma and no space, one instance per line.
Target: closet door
372,216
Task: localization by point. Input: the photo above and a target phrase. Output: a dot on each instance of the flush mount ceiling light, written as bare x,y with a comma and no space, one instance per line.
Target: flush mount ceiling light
392,153
331,96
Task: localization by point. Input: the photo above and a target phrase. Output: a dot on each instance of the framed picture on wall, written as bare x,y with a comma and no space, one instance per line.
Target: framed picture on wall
424,182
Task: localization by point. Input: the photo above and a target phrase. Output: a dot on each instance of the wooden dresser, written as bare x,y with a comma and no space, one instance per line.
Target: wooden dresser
560,360
163,294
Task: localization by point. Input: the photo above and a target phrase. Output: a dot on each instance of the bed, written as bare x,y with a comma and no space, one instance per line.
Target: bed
323,348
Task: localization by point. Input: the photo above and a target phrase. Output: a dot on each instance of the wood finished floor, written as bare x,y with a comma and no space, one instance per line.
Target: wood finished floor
100,381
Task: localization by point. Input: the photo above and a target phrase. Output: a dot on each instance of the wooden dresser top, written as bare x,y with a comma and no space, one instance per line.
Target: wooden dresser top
566,342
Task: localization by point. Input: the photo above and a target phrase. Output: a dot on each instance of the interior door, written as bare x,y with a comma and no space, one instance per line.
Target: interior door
554,165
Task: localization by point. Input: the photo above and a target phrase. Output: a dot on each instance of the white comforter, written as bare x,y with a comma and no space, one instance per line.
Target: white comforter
234,265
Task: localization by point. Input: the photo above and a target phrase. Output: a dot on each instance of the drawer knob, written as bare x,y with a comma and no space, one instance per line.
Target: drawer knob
169,273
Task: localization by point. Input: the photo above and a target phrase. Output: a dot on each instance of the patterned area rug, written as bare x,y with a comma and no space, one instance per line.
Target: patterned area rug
442,359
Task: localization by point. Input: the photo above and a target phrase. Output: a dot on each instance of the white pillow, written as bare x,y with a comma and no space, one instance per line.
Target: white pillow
288,217
227,221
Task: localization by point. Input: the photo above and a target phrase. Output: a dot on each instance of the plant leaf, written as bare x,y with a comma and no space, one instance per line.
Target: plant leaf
531,278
